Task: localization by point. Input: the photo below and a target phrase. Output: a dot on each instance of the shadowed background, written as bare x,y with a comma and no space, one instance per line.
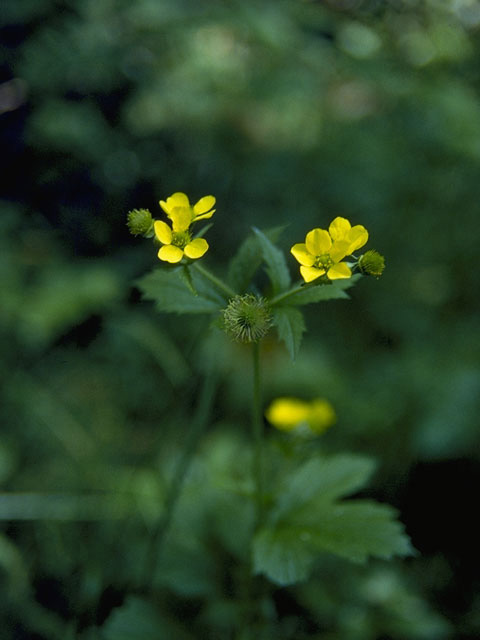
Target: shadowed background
290,113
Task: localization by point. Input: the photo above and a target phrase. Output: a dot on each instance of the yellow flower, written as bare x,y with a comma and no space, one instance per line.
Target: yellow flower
182,214
178,243
287,414
323,251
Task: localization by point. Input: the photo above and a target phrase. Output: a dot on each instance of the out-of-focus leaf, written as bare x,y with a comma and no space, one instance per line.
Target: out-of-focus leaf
282,555
325,478
355,530
139,619
64,297
308,519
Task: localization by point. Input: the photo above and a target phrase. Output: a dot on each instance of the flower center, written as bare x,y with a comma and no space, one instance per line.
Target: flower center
180,239
323,262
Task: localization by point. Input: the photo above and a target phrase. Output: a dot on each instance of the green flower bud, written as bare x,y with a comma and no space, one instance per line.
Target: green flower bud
247,318
371,263
140,222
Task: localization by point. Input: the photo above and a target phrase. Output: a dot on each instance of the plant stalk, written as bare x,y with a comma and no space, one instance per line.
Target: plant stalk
257,432
224,288
286,294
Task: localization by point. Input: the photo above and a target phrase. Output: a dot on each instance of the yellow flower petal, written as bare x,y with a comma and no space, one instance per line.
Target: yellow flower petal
318,242
338,271
163,231
321,415
204,205
205,215
181,218
357,237
339,228
311,273
176,200
196,248
287,413
339,250
301,254
170,253
164,206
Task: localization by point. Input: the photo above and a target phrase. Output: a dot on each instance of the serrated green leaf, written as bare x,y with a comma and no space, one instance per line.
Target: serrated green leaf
325,478
282,555
139,619
276,265
356,530
321,292
290,326
308,518
248,259
186,275
171,294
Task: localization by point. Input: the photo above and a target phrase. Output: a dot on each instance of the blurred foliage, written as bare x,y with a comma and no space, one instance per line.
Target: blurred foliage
290,112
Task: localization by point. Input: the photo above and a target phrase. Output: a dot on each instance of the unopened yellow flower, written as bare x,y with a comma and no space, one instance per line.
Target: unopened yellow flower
287,414
322,252
182,214
177,243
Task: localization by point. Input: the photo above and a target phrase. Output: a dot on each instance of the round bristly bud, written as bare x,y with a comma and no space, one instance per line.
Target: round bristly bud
247,318
371,263
140,222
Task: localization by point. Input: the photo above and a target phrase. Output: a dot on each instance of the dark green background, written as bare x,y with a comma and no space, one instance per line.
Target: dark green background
289,112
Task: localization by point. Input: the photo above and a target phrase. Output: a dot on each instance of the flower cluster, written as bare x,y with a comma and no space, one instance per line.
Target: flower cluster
177,239
323,251
288,414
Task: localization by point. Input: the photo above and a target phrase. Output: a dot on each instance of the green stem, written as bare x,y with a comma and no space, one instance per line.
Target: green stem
286,294
228,291
257,432
197,426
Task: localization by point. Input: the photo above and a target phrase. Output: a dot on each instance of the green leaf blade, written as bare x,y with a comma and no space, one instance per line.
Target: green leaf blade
172,294
282,556
139,619
276,265
309,518
357,530
290,326
322,478
248,259
319,293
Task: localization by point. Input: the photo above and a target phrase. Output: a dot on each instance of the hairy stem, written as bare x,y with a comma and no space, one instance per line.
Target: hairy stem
221,286
257,432
286,294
